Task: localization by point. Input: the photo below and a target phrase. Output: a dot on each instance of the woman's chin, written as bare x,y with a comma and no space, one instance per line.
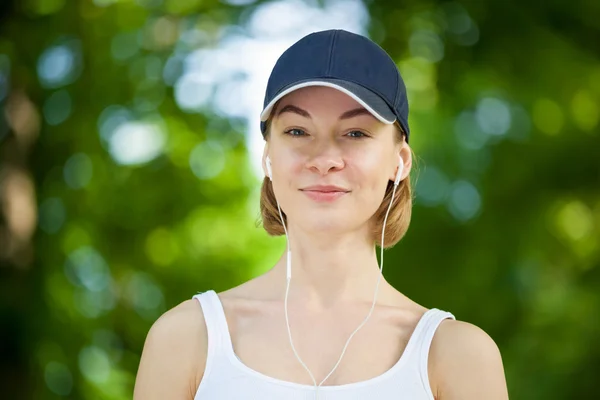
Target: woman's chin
325,224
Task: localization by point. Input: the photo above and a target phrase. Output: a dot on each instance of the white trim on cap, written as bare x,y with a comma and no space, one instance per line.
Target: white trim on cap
267,111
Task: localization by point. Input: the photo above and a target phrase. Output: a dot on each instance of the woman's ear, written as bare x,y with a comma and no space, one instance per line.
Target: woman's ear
404,157
406,154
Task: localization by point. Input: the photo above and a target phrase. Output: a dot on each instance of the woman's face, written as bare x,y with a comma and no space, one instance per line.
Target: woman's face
320,136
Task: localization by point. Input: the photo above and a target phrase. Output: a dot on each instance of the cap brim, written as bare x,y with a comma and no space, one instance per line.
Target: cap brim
363,96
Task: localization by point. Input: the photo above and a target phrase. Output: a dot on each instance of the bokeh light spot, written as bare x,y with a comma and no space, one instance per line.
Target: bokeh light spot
136,142
86,268
192,92
94,364
110,119
74,237
58,378
163,32
547,116
52,215
124,45
464,201
459,24
493,116
78,171
57,107
57,66
173,69
575,220
427,45
162,247
144,295
468,131
418,74
458,21
111,342
94,304
585,111
207,160
432,187
45,7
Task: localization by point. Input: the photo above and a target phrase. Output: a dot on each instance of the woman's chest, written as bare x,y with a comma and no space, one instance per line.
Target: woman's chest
261,342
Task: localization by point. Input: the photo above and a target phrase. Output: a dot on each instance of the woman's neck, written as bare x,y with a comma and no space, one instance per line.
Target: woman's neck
327,272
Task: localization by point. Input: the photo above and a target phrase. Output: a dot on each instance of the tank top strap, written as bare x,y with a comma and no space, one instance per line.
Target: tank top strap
422,342
214,317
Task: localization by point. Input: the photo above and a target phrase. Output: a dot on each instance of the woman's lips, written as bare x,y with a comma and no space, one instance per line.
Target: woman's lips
324,197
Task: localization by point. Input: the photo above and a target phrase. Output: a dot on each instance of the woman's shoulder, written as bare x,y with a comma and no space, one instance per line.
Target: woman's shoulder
174,352
185,321
456,338
185,325
464,360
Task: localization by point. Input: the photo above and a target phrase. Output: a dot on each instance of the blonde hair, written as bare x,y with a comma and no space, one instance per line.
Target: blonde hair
397,222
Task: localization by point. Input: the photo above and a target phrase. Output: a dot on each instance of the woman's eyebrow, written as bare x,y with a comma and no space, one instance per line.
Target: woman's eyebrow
355,112
346,115
294,109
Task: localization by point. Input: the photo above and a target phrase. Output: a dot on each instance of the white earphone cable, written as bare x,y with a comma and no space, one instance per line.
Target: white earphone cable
289,276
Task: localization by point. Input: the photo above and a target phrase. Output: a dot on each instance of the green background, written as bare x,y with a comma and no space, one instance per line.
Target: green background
504,119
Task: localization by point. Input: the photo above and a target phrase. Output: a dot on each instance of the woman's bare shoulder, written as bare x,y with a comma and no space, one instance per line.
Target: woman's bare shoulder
174,354
181,326
465,363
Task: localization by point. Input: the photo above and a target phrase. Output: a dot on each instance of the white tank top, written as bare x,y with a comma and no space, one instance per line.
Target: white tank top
227,377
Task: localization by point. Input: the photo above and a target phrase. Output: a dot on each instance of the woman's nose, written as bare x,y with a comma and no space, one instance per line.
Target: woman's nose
325,158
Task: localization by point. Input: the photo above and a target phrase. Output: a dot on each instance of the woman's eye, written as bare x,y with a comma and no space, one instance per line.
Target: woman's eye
299,132
295,132
361,134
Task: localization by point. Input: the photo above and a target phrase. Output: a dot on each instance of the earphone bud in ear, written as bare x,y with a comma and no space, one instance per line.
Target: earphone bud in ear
269,171
400,170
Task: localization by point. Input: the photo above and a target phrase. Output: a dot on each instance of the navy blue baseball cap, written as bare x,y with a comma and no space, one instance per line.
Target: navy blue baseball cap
347,62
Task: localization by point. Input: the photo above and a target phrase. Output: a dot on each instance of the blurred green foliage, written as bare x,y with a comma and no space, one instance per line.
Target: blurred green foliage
124,192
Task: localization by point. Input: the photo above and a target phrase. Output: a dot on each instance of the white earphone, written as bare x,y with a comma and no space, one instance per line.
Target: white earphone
400,170
269,171
289,274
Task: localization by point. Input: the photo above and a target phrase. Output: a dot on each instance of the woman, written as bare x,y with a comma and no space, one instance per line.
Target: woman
337,165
